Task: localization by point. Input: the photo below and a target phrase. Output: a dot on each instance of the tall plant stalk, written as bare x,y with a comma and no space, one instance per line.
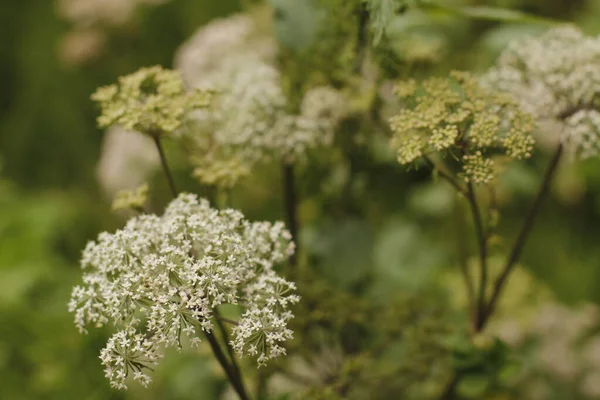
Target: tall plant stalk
449,391
231,367
290,200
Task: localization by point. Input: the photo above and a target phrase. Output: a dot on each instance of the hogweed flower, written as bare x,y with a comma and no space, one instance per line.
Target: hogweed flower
159,280
151,100
250,121
460,117
556,77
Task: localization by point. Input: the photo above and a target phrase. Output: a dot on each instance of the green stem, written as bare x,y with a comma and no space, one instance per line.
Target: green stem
482,239
232,371
237,383
165,165
222,329
463,254
442,172
523,234
291,206
449,391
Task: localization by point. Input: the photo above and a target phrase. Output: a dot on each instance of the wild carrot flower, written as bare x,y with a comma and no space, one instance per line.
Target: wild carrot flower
556,77
159,280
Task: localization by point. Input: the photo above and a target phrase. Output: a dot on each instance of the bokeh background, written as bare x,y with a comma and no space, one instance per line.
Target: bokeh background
53,200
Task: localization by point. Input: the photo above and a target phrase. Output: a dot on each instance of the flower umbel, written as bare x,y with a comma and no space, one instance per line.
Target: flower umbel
556,77
458,116
250,120
151,100
159,280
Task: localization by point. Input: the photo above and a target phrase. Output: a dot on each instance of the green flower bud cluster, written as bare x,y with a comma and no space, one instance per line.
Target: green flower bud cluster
131,199
457,116
152,100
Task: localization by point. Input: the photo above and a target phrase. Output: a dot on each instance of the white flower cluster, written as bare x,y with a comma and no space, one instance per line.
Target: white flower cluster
127,160
249,121
556,76
159,280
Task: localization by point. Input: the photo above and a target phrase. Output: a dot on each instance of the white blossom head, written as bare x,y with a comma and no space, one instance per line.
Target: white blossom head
207,58
556,76
159,280
250,120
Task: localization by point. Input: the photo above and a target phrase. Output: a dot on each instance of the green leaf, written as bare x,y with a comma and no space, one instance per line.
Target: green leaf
488,13
382,12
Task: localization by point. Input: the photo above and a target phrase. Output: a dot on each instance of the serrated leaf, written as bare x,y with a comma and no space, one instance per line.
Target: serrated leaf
382,12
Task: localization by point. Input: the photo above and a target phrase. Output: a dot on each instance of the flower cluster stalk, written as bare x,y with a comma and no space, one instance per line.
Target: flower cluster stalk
290,200
485,308
231,368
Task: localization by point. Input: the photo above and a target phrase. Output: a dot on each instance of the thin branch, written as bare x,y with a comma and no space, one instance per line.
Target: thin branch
482,239
448,392
291,206
523,234
234,364
442,172
165,165
361,42
463,262
232,371
237,383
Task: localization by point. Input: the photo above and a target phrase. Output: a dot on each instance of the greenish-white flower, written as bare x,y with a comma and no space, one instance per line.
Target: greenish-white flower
151,100
250,120
457,116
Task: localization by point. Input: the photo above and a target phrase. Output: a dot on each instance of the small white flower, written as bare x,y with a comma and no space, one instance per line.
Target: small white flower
250,121
556,76
159,280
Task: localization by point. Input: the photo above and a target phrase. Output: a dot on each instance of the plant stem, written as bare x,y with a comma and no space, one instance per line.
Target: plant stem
237,383
463,254
291,206
448,392
469,194
234,364
232,371
523,234
450,389
361,42
165,165
441,172
482,239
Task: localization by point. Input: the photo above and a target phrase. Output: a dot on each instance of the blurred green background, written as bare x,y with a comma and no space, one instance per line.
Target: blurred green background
51,203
